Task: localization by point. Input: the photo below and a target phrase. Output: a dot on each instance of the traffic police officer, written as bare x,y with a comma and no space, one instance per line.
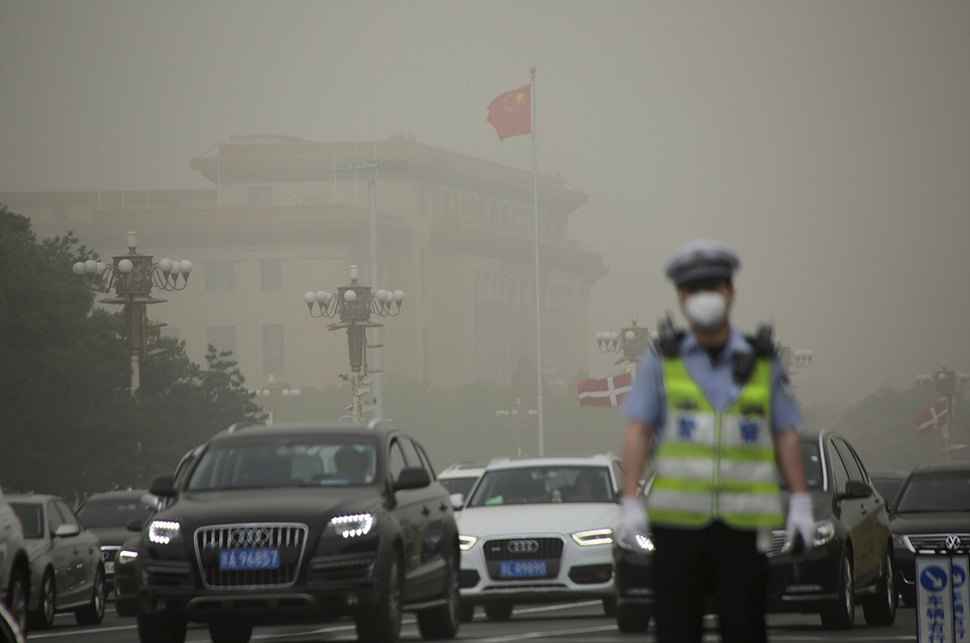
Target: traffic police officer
713,411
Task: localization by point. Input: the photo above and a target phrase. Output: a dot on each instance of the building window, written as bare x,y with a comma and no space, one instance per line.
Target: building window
273,349
261,196
222,337
272,271
220,275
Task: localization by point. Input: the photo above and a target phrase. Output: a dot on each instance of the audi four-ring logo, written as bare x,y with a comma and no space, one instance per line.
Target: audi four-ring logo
522,546
250,536
953,542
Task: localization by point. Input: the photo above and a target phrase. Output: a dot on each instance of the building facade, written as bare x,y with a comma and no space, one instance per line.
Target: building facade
455,233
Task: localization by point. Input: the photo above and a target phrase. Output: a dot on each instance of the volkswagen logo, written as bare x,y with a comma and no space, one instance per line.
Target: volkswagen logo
250,537
953,542
522,546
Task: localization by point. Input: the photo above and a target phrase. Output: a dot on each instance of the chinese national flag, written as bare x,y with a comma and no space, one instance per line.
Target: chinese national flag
930,417
511,113
605,393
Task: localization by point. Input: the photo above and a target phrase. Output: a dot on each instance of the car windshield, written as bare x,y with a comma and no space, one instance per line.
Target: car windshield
813,467
299,461
113,513
542,485
937,491
31,518
458,485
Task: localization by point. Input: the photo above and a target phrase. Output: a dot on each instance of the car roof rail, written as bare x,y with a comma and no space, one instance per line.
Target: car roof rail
238,426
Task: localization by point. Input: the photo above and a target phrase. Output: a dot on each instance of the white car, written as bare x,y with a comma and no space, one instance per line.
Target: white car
537,530
459,479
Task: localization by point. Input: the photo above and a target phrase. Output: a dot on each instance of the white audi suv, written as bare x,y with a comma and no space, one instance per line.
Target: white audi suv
537,530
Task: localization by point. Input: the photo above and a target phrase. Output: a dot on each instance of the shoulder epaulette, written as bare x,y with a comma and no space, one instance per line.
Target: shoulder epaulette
762,342
668,337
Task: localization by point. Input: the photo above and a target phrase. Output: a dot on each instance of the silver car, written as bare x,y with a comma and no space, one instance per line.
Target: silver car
66,573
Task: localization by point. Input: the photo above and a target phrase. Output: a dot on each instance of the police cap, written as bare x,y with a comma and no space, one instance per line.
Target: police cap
701,259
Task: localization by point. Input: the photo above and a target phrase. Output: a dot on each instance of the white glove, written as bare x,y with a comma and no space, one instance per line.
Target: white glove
634,520
800,520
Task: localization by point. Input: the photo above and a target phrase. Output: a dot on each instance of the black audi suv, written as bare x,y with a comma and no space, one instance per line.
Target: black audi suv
297,523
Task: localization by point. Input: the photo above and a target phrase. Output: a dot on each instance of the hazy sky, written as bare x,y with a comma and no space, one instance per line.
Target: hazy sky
828,142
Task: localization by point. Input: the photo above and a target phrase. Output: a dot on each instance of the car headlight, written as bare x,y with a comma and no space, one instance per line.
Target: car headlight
824,532
901,541
164,532
126,556
351,525
466,542
594,537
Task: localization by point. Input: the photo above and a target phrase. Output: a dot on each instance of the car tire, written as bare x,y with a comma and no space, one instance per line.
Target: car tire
881,608
609,606
43,617
442,622
93,612
908,596
501,611
632,621
161,628
382,622
230,632
840,615
467,612
17,594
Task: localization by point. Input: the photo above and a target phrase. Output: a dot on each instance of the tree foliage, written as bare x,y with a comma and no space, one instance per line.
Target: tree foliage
68,423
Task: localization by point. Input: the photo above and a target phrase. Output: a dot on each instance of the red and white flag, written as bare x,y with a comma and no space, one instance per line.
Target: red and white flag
606,392
931,417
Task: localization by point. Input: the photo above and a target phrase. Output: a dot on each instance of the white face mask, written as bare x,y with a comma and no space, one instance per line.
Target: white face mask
706,309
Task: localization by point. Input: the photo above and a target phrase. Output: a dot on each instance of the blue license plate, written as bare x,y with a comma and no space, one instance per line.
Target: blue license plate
522,568
230,559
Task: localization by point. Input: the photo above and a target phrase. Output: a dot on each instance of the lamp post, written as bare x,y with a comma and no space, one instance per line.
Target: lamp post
275,395
517,415
355,304
632,341
946,383
132,276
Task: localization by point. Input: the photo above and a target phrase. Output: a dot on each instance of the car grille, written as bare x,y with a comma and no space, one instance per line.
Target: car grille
289,538
777,542
938,542
525,548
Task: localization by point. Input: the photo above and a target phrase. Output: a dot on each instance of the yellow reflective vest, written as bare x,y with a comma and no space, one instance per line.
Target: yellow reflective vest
715,465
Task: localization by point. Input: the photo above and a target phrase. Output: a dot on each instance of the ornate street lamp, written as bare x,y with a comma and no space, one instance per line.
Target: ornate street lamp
632,341
132,276
355,304
517,416
274,397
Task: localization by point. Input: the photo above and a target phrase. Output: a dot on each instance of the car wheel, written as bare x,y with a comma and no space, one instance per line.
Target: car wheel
382,622
161,628
17,598
93,612
442,622
231,632
632,621
841,614
881,608
43,617
498,611
609,606
467,612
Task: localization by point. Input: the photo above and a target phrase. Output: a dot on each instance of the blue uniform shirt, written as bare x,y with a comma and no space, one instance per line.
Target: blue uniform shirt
647,401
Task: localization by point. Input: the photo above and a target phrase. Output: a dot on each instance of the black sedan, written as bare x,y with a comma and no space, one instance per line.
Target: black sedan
107,516
298,523
851,558
931,513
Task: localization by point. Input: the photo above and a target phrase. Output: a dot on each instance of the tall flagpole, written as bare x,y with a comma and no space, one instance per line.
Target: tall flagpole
535,205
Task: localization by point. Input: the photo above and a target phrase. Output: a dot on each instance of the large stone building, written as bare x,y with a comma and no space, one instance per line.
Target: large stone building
455,233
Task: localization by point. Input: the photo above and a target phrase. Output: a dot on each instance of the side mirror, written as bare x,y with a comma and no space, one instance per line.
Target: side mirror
151,500
163,487
67,530
134,525
411,478
457,501
857,489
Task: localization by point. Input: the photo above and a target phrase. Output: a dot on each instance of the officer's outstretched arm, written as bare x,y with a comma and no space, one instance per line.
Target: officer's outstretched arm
788,453
636,455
